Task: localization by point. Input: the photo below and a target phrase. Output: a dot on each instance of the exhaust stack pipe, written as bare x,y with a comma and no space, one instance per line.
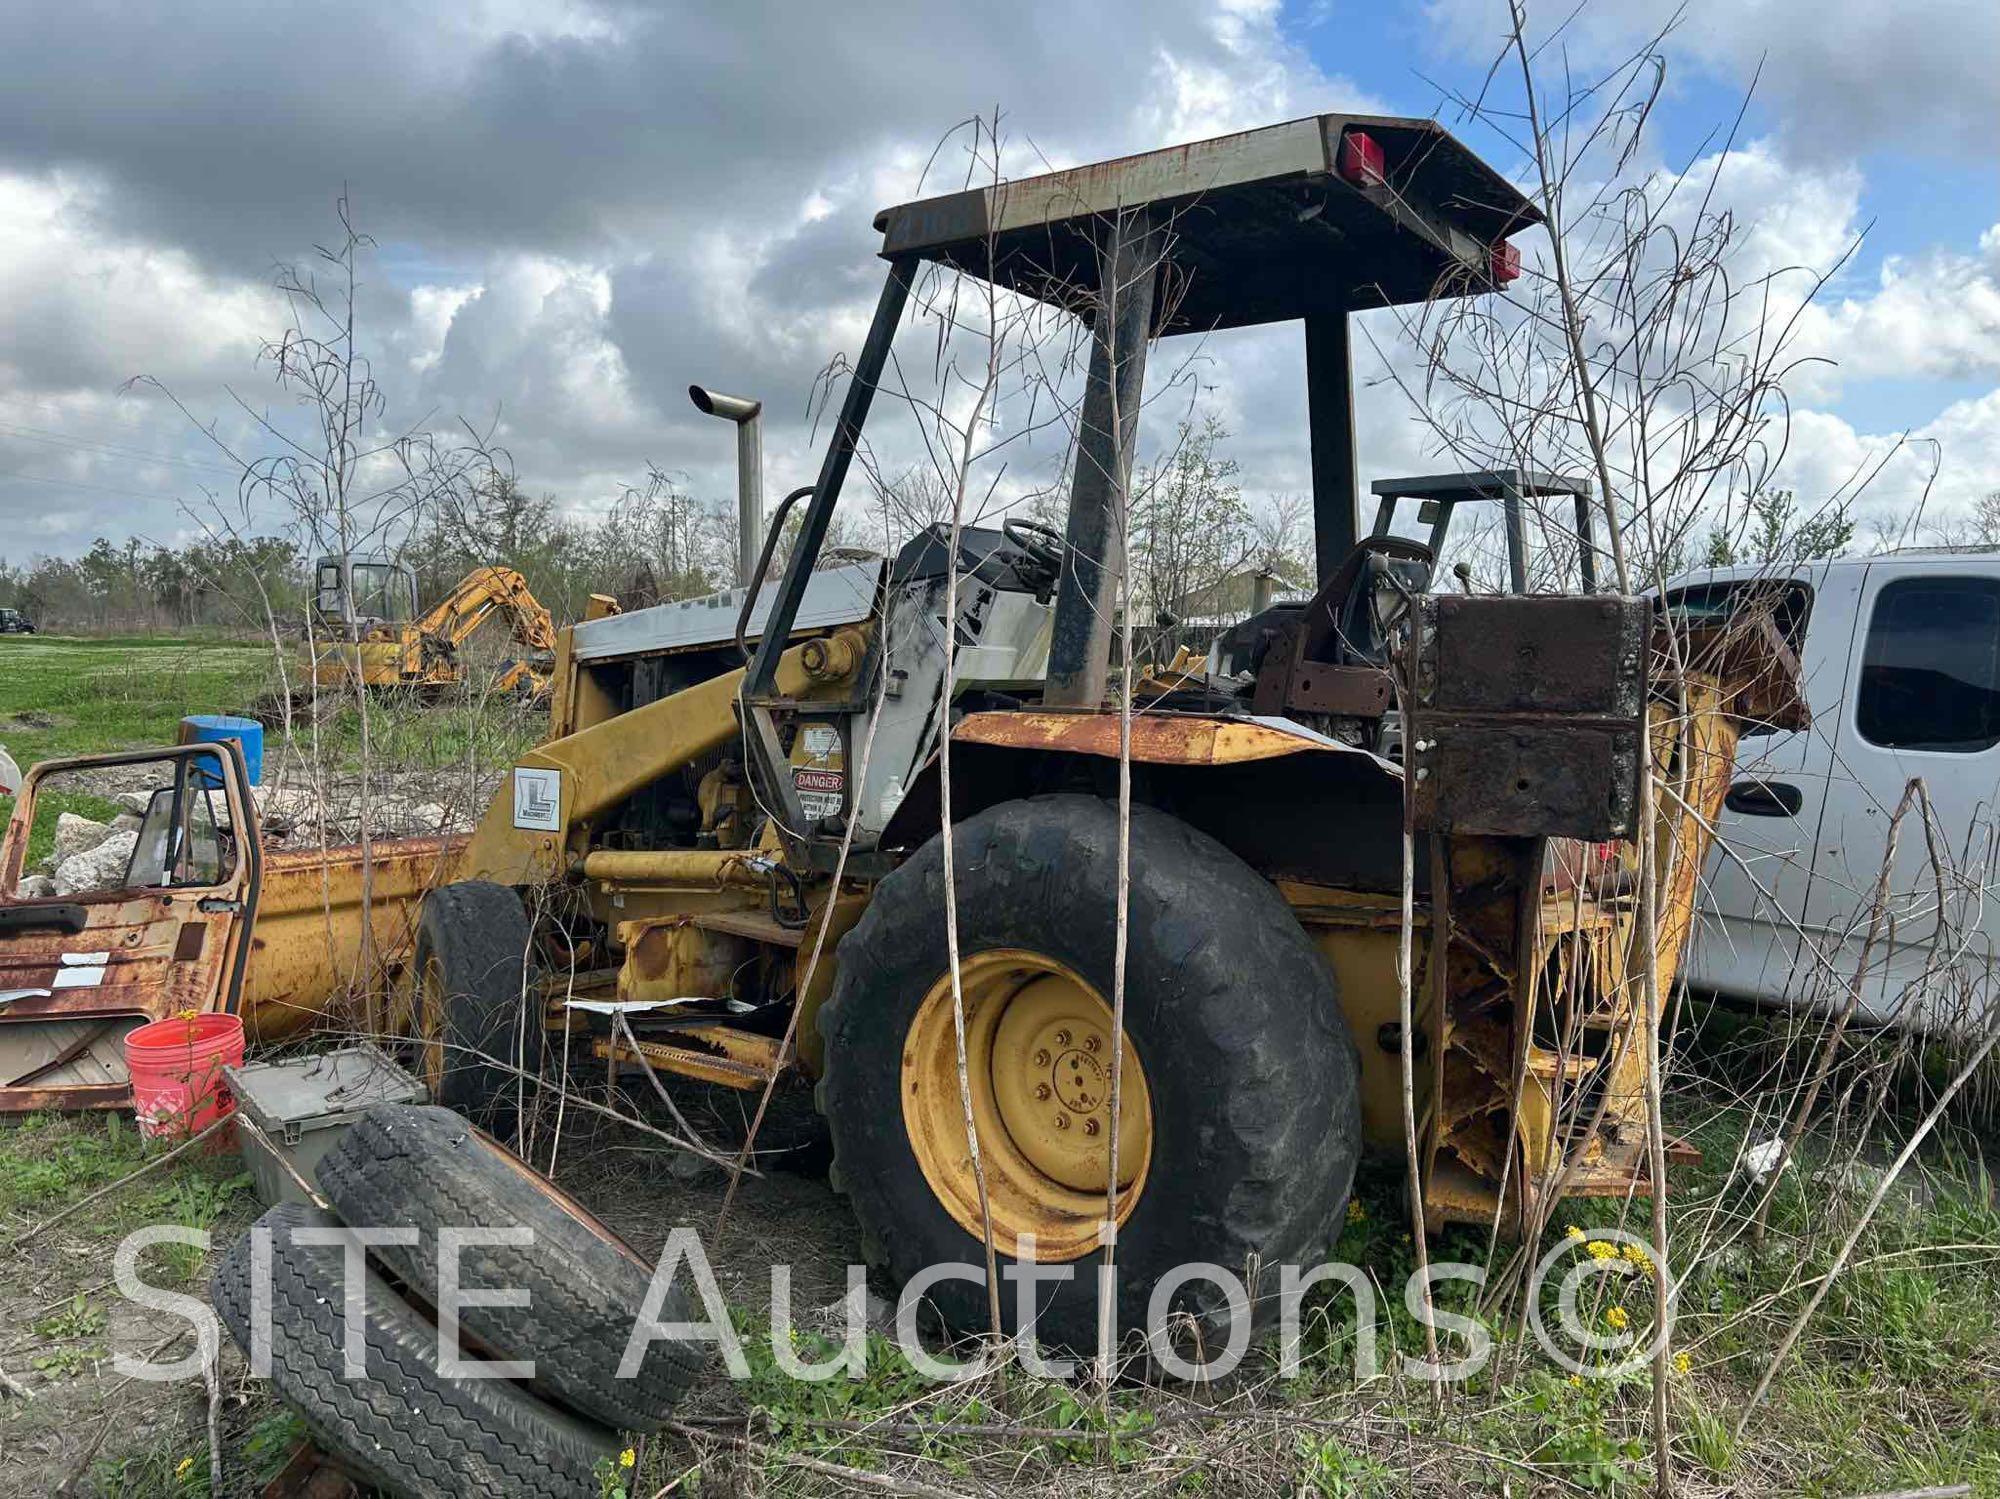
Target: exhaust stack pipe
748,416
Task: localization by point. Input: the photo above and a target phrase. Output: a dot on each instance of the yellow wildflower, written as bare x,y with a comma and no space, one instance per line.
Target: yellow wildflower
187,1015
1356,1213
181,1469
1617,1318
1577,1380
627,1458
1602,1249
1682,1363
1638,1256
1574,1232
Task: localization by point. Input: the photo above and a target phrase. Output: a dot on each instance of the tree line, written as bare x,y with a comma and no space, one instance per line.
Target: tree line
1193,534
655,543
1197,545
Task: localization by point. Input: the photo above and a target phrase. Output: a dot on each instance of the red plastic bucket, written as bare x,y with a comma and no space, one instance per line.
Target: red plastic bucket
176,1068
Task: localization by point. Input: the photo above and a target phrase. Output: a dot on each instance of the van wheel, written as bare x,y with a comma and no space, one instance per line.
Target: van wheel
1239,1121
480,1041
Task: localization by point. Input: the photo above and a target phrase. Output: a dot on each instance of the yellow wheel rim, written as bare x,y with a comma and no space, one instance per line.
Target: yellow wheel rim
1038,1058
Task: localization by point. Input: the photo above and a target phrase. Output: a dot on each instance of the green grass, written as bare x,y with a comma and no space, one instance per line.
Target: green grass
417,733
174,1468
48,1161
62,695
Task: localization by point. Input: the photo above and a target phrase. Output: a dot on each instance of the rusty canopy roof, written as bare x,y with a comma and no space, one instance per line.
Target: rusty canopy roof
1262,226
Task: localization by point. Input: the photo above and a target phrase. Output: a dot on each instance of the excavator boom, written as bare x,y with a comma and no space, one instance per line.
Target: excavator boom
424,652
462,613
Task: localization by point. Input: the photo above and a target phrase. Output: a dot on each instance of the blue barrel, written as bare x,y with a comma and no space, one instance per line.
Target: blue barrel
213,728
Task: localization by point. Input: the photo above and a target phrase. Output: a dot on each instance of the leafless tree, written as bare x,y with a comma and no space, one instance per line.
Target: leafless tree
1640,353
347,482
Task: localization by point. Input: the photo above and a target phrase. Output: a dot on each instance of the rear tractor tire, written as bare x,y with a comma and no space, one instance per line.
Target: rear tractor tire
1239,1121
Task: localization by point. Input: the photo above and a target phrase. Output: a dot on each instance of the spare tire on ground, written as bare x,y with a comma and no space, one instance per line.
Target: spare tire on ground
403,1426
407,1166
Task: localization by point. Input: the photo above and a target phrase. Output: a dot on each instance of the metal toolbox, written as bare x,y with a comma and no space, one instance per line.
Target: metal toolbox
300,1106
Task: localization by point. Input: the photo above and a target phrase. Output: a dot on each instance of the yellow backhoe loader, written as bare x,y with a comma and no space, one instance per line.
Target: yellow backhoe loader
667,854
368,626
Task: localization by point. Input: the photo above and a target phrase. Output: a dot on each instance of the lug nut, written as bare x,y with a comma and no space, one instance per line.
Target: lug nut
1091,1043
1090,1126
1062,1038
1041,1090
1062,1121
1041,1059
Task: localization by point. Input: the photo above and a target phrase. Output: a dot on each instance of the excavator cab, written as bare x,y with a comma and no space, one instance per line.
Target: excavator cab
353,595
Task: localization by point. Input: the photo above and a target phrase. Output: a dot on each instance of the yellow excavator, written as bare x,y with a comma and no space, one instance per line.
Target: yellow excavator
369,628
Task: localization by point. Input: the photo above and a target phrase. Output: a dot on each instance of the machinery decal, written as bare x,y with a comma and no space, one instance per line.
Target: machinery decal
537,799
819,771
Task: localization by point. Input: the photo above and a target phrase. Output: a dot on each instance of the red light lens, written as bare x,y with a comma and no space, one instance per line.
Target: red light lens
1361,159
1506,263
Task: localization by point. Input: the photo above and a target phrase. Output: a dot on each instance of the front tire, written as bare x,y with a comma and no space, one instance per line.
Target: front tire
478,1018
1247,1105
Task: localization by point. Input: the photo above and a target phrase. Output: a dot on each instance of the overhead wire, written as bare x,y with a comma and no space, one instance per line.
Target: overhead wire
114,450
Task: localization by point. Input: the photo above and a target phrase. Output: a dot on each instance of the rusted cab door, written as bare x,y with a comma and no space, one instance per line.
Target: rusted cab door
153,920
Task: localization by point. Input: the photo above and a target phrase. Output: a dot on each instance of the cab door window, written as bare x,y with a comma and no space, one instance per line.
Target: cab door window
161,824
182,839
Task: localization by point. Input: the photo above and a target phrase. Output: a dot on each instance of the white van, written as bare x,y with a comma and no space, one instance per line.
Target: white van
1901,661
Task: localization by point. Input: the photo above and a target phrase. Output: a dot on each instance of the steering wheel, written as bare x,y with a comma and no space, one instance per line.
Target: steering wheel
1043,544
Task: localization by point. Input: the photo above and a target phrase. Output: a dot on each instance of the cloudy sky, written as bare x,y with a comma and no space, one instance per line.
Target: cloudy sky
580,206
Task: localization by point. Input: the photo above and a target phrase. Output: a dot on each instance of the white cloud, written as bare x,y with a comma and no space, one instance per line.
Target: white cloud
629,199
632,200
1934,315
87,309
1846,77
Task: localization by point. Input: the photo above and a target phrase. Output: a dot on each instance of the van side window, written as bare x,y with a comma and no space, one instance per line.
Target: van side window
1930,672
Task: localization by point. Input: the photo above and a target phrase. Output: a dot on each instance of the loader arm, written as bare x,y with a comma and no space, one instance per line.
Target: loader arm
540,823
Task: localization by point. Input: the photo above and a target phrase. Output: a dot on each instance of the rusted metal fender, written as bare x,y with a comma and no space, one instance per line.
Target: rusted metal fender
1192,741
